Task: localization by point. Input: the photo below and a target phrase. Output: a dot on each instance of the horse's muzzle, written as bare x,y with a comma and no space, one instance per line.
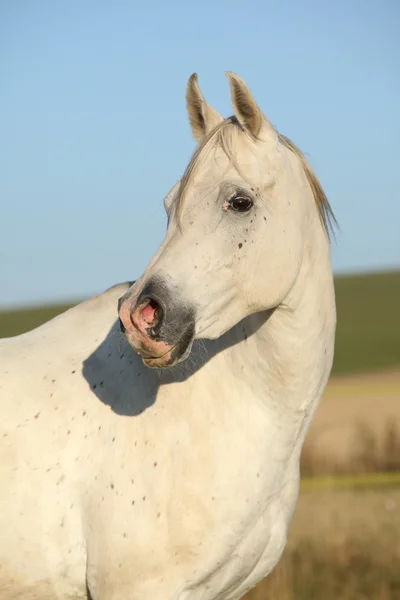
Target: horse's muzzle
156,325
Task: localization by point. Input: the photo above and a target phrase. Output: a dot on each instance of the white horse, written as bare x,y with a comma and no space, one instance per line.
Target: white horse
120,482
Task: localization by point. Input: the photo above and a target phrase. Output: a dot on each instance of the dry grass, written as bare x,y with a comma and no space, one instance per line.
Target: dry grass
369,452
356,428
349,573
342,545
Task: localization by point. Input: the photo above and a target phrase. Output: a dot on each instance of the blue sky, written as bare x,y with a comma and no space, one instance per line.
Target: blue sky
94,130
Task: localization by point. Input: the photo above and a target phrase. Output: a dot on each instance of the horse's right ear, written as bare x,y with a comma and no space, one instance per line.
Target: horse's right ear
203,118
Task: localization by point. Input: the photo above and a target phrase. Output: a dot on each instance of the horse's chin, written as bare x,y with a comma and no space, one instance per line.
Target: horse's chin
176,355
159,354
166,362
158,362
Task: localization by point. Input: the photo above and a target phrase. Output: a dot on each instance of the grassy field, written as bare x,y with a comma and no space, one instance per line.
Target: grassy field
368,330
14,322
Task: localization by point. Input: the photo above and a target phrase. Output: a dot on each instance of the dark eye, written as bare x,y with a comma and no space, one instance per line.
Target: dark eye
240,204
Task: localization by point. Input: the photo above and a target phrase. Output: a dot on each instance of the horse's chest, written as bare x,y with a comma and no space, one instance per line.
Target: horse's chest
195,523
222,563
243,566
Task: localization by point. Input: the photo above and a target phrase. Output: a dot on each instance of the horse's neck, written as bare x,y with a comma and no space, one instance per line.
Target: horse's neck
288,358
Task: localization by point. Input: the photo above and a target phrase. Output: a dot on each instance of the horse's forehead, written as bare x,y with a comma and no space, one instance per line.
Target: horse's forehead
221,164
240,162
244,166
249,157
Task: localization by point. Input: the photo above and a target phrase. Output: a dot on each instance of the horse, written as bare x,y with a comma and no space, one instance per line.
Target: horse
151,435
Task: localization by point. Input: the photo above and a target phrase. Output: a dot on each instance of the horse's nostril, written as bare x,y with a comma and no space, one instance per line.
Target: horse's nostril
153,313
152,316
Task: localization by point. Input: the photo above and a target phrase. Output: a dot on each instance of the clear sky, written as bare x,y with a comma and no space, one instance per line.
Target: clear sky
94,131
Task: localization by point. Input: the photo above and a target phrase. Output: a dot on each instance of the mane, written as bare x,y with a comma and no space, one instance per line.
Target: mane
223,135
325,211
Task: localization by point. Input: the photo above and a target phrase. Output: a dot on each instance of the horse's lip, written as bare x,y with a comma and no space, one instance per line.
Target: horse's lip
165,360
146,355
148,358
141,350
154,361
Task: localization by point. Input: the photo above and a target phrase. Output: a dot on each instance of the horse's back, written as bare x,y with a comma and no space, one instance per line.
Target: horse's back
42,552
33,365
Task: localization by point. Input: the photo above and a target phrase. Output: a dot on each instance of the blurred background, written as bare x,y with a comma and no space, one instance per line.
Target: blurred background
94,133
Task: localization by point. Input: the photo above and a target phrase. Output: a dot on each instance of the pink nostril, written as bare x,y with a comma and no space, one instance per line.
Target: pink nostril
147,315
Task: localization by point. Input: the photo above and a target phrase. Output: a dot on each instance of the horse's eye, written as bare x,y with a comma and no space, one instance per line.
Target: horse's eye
240,204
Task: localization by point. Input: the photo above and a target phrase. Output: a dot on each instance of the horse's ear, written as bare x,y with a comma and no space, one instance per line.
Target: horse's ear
203,118
245,107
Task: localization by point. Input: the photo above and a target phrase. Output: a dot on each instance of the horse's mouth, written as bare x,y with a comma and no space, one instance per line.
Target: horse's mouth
151,360
157,362
169,358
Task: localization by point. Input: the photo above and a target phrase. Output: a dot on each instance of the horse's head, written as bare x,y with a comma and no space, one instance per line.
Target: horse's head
238,226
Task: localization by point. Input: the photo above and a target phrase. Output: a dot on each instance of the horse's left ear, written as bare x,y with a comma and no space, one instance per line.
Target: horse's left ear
245,107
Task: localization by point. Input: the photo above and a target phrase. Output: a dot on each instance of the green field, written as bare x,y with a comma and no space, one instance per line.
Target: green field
368,330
